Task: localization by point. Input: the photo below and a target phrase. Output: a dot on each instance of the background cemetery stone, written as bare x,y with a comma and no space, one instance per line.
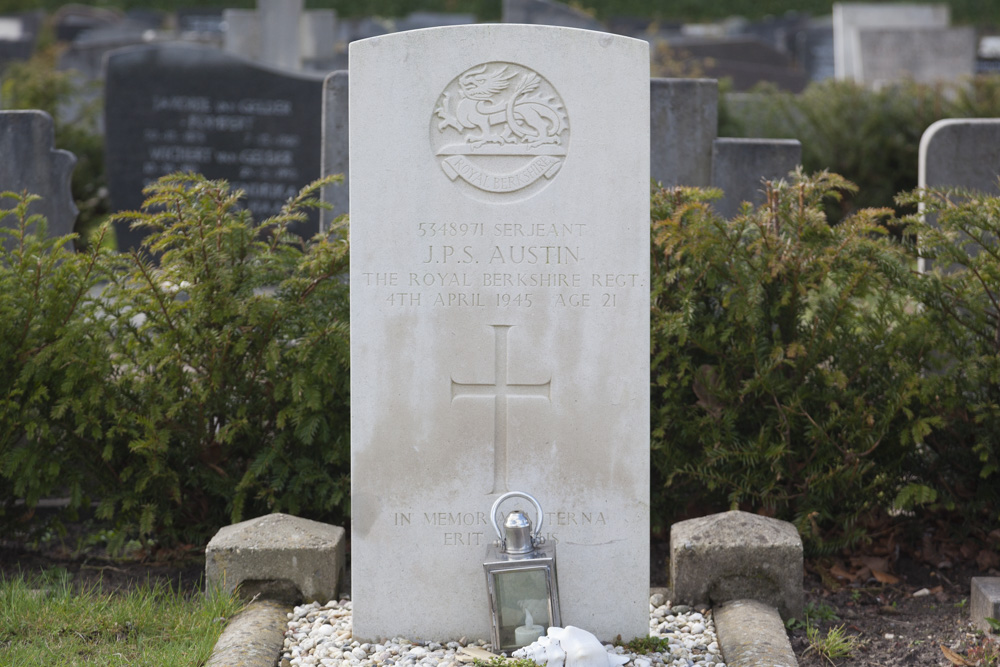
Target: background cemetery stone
31,163
335,146
925,55
684,120
851,18
740,165
499,338
960,152
181,107
280,33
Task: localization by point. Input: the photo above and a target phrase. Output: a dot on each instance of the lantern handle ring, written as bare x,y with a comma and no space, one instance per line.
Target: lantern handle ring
538,514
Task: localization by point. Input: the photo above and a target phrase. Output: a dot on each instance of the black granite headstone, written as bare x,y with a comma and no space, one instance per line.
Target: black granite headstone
29,162
181,107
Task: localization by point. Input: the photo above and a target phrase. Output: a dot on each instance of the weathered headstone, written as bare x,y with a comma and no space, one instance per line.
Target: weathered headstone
849,19
335,146
683,123
499,319
925,55
29,162
960,152
182,107
740,165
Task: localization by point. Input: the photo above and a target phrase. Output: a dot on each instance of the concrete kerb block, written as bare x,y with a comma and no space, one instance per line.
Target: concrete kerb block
278,557
751,634
737,556
985,602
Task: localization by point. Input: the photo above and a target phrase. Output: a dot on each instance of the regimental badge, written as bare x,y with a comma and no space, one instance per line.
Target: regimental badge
501,128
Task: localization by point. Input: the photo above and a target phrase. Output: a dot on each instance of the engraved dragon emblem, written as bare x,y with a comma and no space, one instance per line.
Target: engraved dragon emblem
505,106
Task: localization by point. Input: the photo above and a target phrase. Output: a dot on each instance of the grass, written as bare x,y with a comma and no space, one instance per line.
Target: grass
835,645
46,621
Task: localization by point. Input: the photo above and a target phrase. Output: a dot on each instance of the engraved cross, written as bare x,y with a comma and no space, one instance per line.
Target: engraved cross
500,390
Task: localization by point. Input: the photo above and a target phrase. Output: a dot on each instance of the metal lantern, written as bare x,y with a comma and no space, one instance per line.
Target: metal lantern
520,579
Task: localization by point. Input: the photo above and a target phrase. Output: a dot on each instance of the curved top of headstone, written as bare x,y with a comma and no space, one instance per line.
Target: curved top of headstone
31,163
961,152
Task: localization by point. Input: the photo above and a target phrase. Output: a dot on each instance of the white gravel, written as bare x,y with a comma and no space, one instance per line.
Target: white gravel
320,634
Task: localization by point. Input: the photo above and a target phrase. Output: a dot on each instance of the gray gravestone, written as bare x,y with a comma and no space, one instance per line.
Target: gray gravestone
849,19
335,146
31,163
925,55
499,320
740,165
962,153
181,107
683,123
280,21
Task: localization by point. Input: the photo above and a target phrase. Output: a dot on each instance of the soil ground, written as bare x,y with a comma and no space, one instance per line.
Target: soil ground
898,618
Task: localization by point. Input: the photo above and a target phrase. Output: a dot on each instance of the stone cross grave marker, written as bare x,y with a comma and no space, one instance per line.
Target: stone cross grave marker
29,161
181,107
499,319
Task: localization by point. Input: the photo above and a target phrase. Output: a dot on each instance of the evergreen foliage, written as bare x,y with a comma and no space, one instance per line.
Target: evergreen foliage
783,375
871,137
52,364
217,362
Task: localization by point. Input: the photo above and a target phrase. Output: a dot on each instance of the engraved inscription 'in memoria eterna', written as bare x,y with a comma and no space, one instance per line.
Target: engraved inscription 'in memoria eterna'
500,390
501,128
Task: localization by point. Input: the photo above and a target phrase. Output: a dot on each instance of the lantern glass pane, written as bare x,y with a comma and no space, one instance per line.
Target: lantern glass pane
522,596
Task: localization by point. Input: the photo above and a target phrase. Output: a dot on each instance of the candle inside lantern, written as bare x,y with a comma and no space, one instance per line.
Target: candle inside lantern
529,632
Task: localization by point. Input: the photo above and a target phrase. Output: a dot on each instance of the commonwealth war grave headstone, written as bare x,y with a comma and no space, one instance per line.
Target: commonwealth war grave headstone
181,107
31,163
499,319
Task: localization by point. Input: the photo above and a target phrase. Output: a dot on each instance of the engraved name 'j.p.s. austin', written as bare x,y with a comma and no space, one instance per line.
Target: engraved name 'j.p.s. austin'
501,128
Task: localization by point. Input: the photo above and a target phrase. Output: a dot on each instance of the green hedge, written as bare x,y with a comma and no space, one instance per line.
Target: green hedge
799,368
871,137
205,387
806,370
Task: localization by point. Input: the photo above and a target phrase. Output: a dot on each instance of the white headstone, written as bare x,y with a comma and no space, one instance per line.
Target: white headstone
499,319
850,18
